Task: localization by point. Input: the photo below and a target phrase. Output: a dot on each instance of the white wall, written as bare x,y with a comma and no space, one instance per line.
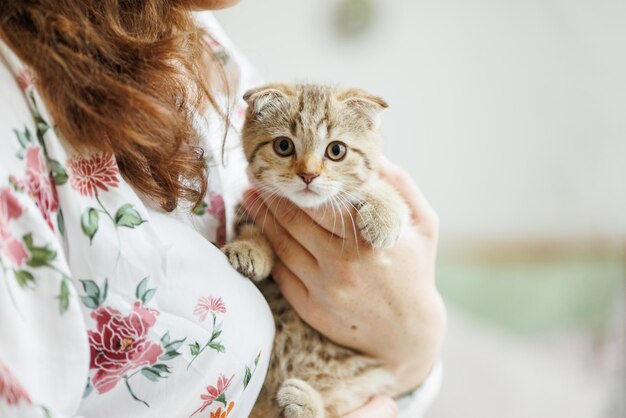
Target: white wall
511,115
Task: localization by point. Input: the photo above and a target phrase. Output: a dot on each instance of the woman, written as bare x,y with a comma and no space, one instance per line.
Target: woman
114,302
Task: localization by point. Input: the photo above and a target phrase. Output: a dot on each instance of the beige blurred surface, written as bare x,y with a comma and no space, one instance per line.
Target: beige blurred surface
489,373
511,116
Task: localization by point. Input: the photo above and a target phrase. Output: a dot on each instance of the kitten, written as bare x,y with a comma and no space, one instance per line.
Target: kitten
314,144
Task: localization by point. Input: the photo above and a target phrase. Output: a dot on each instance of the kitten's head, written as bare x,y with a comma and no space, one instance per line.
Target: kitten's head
312,144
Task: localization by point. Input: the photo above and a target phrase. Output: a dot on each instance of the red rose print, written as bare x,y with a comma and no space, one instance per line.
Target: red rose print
214,392
26,79
120,344
10,389
88,175
39,185
10,247
207,305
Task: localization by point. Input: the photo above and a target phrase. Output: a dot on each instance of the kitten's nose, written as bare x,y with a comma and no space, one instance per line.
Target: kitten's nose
308,177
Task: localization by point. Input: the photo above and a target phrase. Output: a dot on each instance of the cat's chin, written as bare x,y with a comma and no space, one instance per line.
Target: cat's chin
308,200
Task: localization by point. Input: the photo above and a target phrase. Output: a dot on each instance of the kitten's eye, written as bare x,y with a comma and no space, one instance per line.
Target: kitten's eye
336,151
283,146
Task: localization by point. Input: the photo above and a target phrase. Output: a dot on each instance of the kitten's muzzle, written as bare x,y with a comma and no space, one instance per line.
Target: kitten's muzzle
307,178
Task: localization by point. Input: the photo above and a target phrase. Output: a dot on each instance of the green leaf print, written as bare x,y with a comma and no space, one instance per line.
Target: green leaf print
39,256
89,222
247,377
150,374
217,347
143,293
58,173
95,295
64,295
128,217
201,209
91,288
23,278
194,349
89,302
248,373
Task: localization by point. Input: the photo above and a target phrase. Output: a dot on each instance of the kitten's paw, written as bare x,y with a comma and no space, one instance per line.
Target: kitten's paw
249,259
379,226
298,399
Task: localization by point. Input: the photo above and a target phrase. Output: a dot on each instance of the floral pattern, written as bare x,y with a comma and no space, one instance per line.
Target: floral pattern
215,393
90,175
61,211
39,182
216,209
120,345
10,389
10,247
39,185
222,414
26,79
214,306
208,305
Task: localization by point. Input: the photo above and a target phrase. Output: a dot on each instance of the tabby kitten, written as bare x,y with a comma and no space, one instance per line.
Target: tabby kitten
315,145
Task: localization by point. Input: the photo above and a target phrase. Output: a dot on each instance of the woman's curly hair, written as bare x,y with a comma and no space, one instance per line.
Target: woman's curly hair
125,77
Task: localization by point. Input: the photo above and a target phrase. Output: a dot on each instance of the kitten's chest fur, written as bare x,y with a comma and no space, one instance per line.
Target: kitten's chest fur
343,379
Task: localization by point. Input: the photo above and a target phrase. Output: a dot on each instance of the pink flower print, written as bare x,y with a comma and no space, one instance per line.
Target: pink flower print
10,247
216,205
88,175
120,344
218,211
26,79
39,185
214,392
10,389
207,305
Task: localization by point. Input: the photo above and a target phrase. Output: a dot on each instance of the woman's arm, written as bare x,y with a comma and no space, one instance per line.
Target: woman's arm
380,302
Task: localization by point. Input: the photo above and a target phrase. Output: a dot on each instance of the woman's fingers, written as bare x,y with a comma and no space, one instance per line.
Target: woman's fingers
338,219
275,216
378,407
290,285
422,212
287,248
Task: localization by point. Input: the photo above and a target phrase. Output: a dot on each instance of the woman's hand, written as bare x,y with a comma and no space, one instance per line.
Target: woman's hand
381,302
378,407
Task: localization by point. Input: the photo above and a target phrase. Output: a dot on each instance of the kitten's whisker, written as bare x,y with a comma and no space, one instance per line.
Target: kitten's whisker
268,204
369,208
343,226
345,204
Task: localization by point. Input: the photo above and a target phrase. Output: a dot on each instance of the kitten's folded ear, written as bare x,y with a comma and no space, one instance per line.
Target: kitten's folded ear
260,98
363,103
360,98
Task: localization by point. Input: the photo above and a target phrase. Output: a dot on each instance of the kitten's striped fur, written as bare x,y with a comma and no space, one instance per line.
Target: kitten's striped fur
309,375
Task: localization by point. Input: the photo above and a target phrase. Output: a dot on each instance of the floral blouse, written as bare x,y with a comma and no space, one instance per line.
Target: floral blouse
110,307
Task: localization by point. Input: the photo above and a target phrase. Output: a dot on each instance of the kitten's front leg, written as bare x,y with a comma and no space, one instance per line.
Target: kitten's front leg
250,253
298,399
381,214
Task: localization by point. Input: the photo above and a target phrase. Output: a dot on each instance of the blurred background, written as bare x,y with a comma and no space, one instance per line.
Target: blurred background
511,116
